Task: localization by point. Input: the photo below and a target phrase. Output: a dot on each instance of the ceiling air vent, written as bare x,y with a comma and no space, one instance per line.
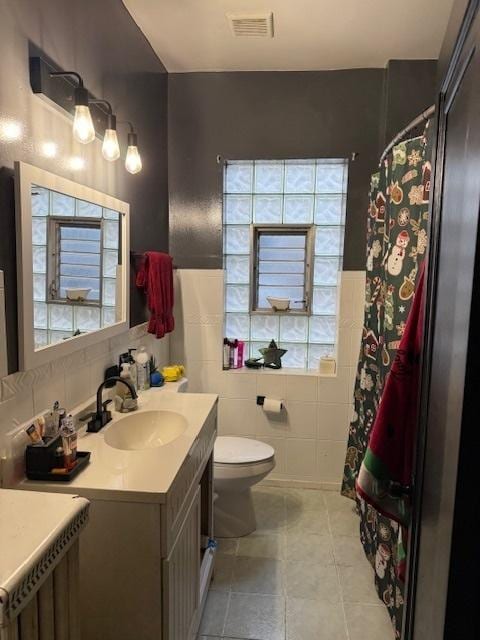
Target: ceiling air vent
259,25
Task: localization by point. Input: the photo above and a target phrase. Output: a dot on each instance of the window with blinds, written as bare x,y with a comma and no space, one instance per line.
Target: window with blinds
75,259
282,267
79,259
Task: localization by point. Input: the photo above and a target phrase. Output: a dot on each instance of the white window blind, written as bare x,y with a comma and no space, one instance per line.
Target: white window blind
78,258
281,267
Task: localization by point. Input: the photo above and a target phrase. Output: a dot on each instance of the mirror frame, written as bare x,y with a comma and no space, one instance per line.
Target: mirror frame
27,175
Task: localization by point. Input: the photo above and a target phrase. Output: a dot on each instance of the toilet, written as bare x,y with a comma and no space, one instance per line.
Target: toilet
239,464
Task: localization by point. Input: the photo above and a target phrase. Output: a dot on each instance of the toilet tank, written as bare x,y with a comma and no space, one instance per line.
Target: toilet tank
181,386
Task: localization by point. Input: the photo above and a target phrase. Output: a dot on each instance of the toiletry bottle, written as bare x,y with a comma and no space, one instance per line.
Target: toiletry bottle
128,358
69,441
133,368
50,428
52,421
40,424
56,415
143,369
233,347
240,350
226,354
59,458
122,390
62,414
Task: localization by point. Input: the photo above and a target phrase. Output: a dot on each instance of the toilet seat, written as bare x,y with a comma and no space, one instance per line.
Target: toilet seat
231,450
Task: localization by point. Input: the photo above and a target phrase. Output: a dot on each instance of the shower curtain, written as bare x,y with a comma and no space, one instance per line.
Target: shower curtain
396,245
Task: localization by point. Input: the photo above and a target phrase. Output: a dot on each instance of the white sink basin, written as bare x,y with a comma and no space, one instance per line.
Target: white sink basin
145,430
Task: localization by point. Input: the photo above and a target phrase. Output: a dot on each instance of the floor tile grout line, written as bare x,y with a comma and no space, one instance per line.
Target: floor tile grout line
222,635
347,632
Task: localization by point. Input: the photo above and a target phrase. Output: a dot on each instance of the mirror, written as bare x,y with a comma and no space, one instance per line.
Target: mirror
72,248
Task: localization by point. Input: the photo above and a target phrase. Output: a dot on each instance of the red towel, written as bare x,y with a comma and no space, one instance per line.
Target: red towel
155,277
388,461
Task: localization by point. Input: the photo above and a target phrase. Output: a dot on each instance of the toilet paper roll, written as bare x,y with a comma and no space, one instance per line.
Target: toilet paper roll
270,405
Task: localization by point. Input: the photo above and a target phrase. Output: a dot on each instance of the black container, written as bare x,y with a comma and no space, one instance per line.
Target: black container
83,458
41,458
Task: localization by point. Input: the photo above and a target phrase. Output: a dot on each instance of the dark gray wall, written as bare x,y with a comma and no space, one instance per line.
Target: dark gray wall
277,115
409,89
102,43
264,115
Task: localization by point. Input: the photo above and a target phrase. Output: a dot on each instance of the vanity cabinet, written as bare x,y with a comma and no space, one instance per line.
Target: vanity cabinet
145,564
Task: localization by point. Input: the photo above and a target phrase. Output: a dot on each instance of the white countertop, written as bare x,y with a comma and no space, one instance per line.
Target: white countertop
141,475
30,523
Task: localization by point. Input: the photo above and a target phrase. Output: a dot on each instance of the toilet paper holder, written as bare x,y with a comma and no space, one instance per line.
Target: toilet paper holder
261,401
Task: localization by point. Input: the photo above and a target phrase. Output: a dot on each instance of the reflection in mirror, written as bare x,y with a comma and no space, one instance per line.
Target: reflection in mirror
76,257
72,265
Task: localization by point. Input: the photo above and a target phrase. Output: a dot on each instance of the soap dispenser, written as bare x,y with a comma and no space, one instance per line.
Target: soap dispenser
121,390
143,369
133,368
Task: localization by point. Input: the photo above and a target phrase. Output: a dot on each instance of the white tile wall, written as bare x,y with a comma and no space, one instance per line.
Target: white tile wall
310,436
70,380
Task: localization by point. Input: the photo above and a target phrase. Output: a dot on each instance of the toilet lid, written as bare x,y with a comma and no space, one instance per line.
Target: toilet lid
231,450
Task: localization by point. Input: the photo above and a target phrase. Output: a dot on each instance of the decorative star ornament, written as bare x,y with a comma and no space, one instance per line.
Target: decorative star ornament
272,355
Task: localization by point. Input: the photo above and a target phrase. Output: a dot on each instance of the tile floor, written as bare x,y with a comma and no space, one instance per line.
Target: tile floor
301,576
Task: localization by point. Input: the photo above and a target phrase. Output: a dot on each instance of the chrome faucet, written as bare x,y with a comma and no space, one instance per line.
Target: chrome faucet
102,415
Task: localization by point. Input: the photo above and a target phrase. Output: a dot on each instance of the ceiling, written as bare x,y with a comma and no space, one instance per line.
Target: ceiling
195,35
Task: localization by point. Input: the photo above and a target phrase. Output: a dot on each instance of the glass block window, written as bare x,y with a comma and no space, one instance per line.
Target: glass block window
263,196
75,245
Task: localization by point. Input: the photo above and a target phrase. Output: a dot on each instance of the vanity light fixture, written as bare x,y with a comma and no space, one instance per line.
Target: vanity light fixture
133,161
110,148
87,111
83,129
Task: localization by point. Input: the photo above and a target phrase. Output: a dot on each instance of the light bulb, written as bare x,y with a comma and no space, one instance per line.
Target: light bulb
110,148
83,129
133,162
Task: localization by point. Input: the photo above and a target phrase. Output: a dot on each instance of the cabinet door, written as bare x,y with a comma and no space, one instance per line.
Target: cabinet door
181,578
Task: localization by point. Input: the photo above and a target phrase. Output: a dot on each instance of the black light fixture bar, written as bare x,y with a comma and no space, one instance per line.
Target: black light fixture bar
111,117
132,138
58,88
92,116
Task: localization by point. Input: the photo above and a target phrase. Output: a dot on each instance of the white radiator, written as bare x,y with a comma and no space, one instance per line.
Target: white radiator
52,612
39,584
